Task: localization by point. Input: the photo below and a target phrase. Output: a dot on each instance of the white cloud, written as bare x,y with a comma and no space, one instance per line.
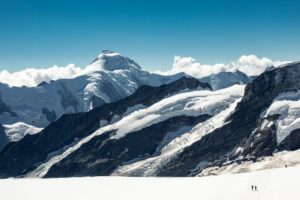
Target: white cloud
249,64
31,76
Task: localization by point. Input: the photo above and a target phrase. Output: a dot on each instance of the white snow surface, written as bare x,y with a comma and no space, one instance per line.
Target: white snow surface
190,104
18,130
272,184
288,106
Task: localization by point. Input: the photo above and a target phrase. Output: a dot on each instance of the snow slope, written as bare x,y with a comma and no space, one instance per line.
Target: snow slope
274,184
193,103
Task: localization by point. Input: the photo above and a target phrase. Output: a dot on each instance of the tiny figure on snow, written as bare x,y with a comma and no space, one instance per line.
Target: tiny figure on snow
252,186
255,188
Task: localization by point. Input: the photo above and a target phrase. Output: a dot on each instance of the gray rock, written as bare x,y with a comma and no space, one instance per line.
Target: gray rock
3,138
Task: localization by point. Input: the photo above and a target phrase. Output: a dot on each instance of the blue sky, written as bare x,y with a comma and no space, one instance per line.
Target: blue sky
35,33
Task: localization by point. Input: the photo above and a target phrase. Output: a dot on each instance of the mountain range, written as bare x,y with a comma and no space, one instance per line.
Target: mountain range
118,119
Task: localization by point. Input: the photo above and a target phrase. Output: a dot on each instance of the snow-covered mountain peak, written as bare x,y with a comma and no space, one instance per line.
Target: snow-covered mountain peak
108,53
226,79
110,61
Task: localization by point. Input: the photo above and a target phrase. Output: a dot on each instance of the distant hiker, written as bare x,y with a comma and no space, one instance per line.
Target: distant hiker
252,187
255,188
285,166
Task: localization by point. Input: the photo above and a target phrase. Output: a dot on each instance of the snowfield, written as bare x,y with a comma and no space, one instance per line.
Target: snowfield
274,184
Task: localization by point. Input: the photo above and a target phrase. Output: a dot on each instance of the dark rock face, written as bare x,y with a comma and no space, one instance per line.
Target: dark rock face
291,142
260,143
97,101
50,115
102,155
26,154
42,84
3,138
33,149
219,146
